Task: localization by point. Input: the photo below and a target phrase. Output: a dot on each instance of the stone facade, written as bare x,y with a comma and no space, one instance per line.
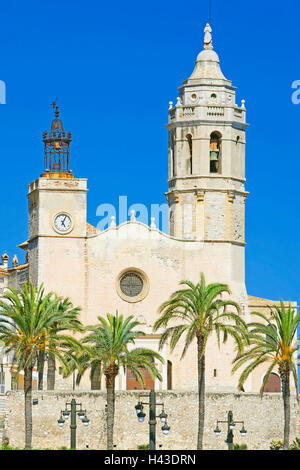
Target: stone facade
263,419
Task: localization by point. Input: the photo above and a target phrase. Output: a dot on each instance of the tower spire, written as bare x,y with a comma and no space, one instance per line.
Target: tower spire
209,13
57,147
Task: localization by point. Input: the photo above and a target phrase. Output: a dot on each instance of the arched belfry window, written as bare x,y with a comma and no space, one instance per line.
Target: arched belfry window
172,150
215,148
190,144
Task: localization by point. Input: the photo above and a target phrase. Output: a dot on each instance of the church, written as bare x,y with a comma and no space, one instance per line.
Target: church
133,267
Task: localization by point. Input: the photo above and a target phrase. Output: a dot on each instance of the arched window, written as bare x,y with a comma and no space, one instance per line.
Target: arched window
190,143
169,375
172,150
14,380
215,152
96,379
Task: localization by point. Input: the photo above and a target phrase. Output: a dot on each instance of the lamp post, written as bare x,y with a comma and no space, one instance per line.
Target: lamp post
230,426
152,417
71,409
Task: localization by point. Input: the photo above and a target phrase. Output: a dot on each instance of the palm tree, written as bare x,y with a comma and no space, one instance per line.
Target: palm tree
26,328
69,322
107,349
272,343
201,310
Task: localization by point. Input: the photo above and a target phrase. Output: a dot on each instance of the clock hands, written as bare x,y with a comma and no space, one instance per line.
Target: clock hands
63,222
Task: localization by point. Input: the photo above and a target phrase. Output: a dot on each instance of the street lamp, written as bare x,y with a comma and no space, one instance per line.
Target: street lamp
163,416
138,407
230,426
152,417
165,429
71,409
60,422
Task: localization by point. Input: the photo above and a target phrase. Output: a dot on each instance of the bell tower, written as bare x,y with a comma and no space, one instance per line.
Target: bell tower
57,218
206,129
57,147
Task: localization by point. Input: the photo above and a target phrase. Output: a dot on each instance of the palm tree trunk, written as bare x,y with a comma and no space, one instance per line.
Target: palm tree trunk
40,367
110,375
28,406
51,373
201,392
287,408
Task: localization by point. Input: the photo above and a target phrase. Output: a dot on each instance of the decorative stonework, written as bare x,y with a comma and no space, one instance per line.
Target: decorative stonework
200,196
230,196
176,198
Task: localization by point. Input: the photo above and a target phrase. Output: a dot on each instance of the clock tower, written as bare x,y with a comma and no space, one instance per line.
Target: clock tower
57,218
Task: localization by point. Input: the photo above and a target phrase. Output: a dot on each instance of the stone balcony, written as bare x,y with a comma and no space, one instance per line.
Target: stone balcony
207,113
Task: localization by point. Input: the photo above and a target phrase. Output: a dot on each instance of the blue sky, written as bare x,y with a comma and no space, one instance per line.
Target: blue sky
114,66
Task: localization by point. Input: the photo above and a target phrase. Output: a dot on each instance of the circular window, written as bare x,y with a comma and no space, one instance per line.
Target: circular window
132,285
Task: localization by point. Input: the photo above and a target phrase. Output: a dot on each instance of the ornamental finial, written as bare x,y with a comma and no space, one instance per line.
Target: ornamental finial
208,37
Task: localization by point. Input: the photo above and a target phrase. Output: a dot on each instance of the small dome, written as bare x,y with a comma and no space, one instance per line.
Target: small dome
208,55
207,66
5,257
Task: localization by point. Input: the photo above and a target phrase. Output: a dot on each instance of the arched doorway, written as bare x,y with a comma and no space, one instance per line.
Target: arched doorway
273,384
133,384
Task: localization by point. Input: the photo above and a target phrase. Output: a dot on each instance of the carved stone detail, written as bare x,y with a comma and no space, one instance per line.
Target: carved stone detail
230,196
176,198
200,196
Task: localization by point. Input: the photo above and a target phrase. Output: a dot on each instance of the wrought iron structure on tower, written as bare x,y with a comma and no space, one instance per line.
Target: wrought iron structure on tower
57,146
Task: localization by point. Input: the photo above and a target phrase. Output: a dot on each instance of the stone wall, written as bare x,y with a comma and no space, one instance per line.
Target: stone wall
263,420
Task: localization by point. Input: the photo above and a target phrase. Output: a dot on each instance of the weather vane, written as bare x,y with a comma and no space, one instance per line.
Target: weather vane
53,104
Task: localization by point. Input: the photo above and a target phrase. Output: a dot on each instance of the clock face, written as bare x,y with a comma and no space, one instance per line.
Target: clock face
62,222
